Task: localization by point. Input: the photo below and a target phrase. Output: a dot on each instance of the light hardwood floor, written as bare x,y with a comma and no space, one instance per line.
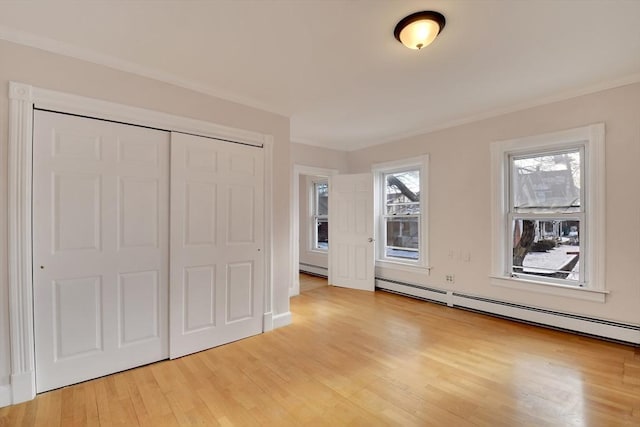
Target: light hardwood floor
358,358
309,282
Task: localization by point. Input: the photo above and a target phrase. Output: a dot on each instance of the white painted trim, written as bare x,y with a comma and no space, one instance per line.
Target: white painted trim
563,96
115,63
268,232
571,322
5,395
314,269
560,320
19,248
88,55
419,291
594,295
22,99
592,138
421,162
75,104
267,322
23,387
282,319
401,266
294,288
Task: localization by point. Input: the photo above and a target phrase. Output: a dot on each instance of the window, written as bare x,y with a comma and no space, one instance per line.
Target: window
400,212
548,211
545,214
320,215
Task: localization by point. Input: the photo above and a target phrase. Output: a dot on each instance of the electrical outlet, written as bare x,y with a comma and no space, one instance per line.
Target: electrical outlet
450,278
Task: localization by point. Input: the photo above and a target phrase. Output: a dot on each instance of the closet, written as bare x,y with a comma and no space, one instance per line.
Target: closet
147,244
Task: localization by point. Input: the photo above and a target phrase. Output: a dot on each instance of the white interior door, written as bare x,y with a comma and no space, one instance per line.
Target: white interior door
100,247
217,238
351,244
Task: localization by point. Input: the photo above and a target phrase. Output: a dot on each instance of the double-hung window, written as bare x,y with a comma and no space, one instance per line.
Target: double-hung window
401,212
548,209
320,215
545,215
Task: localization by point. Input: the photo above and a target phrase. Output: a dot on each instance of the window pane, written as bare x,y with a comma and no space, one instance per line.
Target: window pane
403,237
322,234
322,198
549,248
546,182
402,193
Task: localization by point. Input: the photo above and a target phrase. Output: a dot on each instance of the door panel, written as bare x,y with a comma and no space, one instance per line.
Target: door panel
217,238
351,254
100,247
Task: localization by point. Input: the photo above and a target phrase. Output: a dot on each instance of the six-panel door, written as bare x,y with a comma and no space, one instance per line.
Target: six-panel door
101,233
217,239
100,247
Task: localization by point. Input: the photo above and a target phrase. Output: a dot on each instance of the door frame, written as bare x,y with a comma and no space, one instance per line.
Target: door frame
23,98
299,170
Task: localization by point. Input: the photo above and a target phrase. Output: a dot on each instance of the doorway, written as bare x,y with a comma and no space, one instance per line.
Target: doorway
303,258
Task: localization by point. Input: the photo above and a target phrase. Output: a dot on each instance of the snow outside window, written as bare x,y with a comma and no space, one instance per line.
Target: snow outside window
548,210
545,214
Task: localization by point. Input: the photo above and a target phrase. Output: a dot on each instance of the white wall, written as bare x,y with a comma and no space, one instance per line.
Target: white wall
460,205
309,155
56,72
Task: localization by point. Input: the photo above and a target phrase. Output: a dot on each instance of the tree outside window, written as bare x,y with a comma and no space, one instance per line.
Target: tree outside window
402,215
545,214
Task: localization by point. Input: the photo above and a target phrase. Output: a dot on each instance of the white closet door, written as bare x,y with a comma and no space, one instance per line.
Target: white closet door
351,255
100,247
217,238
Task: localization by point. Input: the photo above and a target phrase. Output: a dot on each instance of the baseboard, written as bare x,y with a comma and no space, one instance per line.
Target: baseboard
412,290
282,319
23,387
314,270
267,322
599,328
5,395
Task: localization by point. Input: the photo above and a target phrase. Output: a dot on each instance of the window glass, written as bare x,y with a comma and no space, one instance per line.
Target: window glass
402,215
546,182
547,248
320,218
546,213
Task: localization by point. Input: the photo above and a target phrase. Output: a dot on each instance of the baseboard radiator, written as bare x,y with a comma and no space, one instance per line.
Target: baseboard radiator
314,270
589,326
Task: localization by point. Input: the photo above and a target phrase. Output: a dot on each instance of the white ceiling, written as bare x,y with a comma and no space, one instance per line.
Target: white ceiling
334,67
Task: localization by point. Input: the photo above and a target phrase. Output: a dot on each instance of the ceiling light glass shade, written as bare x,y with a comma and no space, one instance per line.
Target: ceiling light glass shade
419,29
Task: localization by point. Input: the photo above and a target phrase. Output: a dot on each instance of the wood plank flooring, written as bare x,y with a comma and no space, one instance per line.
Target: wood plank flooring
310,282
369,359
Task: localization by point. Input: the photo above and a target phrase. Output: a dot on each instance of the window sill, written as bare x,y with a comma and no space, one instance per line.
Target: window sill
411,268
595,295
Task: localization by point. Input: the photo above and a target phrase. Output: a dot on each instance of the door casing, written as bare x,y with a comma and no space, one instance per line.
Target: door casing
22,100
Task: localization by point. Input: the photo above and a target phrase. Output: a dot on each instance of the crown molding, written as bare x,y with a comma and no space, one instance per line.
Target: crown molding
562,96
94,57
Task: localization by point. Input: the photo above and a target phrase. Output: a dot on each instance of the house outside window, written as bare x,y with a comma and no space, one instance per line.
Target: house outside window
320,216
545,214
548,209
401,212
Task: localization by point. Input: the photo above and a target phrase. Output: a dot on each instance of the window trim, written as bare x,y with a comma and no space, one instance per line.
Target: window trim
379,170
591,139
314,217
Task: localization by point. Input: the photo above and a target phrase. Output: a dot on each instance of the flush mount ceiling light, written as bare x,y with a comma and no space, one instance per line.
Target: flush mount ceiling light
419,29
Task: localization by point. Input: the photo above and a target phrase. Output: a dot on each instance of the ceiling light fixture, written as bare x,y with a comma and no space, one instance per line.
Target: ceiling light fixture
419,29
